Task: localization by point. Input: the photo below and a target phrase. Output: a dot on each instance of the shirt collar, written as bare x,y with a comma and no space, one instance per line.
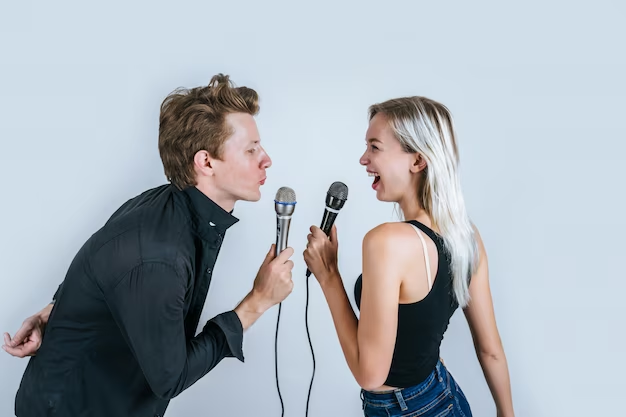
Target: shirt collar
208,212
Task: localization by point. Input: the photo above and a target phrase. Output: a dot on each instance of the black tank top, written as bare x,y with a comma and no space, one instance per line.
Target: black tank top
421,325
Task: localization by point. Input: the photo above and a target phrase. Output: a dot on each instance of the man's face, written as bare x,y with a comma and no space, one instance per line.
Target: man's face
241,171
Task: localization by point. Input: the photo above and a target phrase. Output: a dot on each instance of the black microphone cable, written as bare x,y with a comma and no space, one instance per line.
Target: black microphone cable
306,324
282,406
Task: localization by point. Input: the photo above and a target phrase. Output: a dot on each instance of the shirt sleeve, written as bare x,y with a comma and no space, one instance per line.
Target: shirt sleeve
148,306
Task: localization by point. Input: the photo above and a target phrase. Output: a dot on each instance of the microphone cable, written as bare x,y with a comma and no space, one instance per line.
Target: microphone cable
282,406
308,334
306,323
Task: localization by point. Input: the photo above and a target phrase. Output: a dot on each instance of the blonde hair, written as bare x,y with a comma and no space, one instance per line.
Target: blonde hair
425,126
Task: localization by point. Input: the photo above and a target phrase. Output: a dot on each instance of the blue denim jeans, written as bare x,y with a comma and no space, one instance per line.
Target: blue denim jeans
437,396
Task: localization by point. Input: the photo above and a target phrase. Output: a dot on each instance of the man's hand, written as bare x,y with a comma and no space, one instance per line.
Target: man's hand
273,282
27,340
272,285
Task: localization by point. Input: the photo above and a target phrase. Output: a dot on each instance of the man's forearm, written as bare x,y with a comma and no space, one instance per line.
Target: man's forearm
250,309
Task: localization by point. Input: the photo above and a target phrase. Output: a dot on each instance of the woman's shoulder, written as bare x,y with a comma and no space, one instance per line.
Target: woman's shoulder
393,236
386,230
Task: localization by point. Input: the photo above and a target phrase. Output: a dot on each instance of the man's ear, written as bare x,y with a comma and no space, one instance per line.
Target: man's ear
419,163
202,162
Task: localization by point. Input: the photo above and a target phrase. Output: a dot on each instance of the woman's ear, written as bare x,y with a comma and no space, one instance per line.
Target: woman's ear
419,163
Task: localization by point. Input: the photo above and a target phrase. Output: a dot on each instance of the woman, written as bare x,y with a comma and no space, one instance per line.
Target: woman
415,272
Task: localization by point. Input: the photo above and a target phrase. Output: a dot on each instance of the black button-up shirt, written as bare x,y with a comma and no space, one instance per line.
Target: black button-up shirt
120,340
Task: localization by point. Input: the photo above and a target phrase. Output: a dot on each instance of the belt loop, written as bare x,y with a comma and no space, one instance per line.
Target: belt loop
438,371
362,400
400,399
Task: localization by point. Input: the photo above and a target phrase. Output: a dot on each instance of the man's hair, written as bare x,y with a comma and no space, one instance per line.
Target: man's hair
194,119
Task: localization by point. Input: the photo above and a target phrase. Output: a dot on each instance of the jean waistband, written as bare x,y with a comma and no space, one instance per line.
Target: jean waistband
382,398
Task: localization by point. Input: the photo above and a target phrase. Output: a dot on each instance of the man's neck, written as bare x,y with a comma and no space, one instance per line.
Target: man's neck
225,202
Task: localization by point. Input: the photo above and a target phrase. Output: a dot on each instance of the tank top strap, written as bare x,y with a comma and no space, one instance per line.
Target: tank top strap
426,258
436,237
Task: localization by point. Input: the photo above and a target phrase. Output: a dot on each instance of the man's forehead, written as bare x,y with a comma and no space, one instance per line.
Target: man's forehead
244,129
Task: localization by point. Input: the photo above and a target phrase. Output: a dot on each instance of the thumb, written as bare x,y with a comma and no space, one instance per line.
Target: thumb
333,235
20,335
271,254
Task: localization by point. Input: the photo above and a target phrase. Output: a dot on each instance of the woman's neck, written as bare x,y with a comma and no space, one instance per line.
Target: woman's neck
413,210
411,207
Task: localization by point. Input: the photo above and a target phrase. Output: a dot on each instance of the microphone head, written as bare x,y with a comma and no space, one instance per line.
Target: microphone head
337,195
285,201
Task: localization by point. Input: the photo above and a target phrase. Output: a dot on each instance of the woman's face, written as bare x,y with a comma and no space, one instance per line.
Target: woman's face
392,169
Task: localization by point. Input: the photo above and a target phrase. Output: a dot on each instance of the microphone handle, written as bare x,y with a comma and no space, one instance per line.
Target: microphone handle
327,223
328,220
282,233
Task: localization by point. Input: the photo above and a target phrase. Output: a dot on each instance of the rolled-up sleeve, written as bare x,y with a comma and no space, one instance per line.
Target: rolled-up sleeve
148,306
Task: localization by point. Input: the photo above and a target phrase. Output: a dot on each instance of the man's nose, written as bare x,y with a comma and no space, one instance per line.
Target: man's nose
266,162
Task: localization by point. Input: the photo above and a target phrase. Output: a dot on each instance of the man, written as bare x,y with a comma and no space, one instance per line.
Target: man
120,336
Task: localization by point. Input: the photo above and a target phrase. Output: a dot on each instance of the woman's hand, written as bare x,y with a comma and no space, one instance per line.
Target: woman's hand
320,254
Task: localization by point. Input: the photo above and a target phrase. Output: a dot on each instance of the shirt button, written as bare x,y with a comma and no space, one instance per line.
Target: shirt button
209,270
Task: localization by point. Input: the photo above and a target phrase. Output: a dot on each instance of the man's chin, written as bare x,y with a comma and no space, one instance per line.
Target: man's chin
251,197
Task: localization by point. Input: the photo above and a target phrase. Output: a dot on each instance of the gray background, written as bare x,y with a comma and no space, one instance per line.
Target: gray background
537,91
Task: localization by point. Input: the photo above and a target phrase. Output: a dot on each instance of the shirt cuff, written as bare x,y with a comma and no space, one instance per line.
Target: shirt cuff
233,330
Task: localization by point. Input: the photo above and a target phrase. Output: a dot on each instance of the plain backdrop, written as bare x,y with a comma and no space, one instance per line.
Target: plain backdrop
537,91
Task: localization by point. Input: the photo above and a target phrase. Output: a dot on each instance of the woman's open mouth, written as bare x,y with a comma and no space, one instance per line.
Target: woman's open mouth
376,178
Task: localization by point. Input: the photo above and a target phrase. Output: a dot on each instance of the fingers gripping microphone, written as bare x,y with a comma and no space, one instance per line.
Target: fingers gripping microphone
335,199
285,205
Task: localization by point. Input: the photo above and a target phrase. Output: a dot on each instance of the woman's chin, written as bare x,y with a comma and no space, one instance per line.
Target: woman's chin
380,196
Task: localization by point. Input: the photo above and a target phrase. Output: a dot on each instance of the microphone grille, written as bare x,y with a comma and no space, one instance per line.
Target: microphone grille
285,195
338,190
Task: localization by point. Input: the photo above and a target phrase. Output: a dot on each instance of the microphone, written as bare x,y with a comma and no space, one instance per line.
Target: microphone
335,199
285,205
